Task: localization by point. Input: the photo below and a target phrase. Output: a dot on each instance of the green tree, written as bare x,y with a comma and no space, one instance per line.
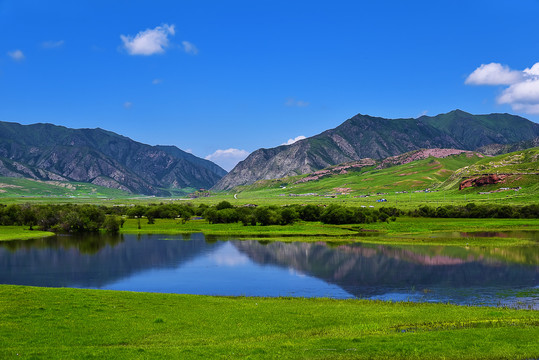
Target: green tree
111,224
223,205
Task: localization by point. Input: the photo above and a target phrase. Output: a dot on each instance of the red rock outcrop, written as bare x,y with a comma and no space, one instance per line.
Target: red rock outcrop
482,180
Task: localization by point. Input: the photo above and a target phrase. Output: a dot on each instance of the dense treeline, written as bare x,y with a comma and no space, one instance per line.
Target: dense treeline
93,218
224,212
473,210
62,218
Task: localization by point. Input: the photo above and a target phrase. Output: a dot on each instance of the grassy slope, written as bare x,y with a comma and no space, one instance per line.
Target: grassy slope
74,323
524,164
418,175
15,187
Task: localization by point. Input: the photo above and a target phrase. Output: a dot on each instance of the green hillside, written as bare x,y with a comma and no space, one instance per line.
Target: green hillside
15,187
431,180
417,175
519,169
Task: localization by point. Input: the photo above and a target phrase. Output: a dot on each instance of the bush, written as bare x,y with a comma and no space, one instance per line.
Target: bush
111,224
268,215
289,216
223,205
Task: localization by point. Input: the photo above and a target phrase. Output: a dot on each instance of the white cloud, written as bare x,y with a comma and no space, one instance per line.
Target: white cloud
228,158
494,74
149,41
189,48
16,55
52,44
291,141
523,96
522,92
295,103
128,105
157,81
533,71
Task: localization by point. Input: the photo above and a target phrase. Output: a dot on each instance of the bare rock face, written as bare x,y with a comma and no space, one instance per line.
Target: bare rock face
482,181
377,138
423,154
49,152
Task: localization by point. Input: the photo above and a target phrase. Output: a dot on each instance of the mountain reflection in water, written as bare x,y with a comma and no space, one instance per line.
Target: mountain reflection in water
366,270
190,264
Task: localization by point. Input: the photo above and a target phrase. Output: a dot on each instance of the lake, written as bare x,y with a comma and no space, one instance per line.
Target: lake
195,264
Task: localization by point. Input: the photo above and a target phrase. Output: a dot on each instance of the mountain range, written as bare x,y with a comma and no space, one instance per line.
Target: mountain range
365,136
100,157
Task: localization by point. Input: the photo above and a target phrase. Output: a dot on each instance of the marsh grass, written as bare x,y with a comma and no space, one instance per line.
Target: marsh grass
170,226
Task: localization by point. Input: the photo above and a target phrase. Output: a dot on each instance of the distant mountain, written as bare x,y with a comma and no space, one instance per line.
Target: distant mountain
365,136
100,157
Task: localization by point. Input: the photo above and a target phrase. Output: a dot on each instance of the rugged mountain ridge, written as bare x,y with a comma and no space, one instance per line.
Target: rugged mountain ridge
97,156
499,149
365,136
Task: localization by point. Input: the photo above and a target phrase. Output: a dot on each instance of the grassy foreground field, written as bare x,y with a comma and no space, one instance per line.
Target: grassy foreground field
95,324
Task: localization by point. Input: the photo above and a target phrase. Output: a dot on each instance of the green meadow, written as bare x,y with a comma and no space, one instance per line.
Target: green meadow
49,323
21,233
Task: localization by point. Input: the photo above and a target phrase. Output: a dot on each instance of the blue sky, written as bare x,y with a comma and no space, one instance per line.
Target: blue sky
235,76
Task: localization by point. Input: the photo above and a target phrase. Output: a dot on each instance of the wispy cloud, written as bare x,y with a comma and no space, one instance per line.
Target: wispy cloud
291,141
228,158
52,44
128,104
16,55
149,41
522,92
189,48
292,102
423,113
157,81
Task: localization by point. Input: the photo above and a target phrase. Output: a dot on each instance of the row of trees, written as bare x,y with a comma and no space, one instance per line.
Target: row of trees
92,218
224,212
473,210
62,218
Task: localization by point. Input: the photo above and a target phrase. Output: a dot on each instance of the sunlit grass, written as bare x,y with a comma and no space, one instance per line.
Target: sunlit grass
74,323
21,233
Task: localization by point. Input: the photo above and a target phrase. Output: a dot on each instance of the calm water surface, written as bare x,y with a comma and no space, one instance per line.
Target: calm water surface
199,265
